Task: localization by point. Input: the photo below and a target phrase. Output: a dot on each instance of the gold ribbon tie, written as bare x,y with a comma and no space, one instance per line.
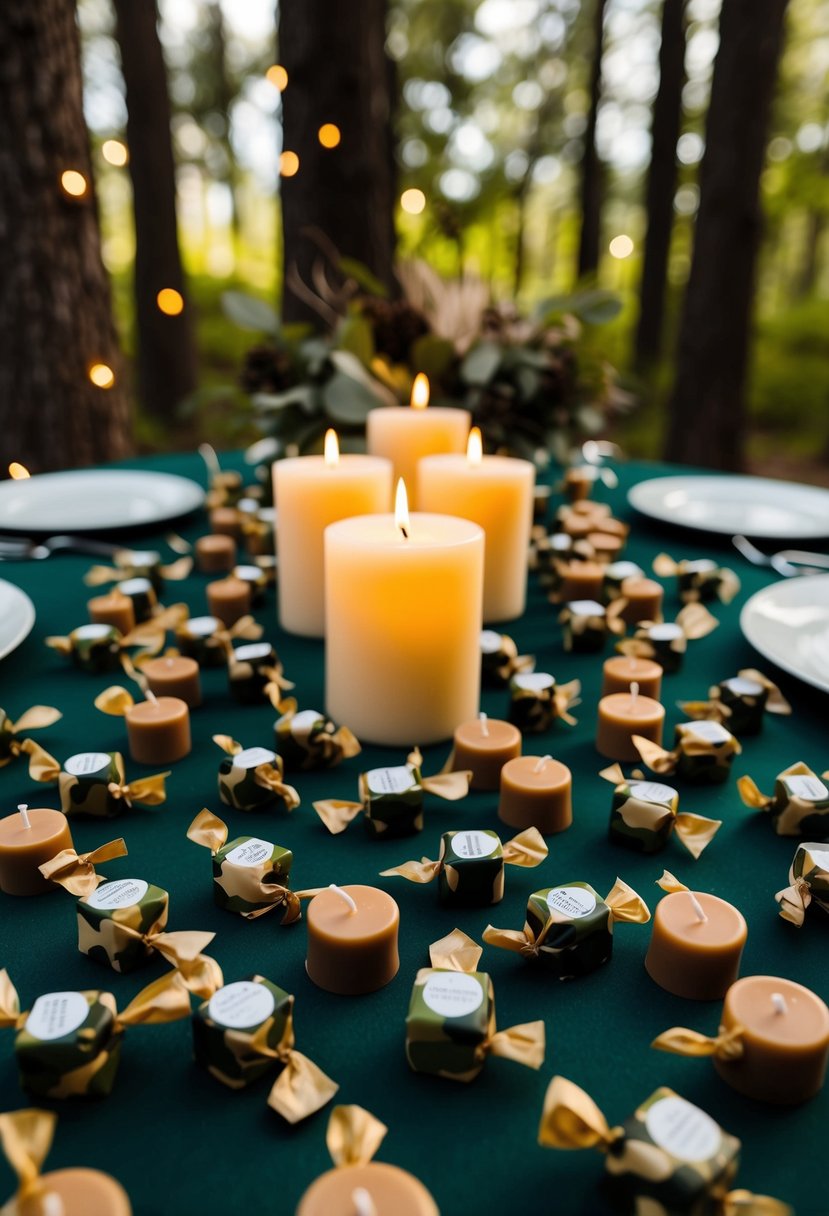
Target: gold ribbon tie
26,1137
353,1136
75,872
679,1041
455,952
625,905
570,1119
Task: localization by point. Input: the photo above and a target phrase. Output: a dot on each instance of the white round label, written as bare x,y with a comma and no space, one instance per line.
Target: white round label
653,791
451,994
810,789
249,574
490,641
135,586
86,762
144,558
252,652
88,633
123,893
304,722
241,1005
820,857
573,902
741,687
474,844
252,757
702,565
560,541
252,853
534,681
57,1014
585,608
683,1130
664,633
202,626
711,732
390,780
623,570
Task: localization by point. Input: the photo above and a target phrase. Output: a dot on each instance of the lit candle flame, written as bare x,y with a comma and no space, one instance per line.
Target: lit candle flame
474,446
420,392
401,508
18,471
332,449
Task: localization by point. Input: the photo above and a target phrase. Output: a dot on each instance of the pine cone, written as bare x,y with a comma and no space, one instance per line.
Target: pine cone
395,325
267,370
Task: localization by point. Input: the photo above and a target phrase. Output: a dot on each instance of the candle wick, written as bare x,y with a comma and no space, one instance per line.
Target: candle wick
484,727
343,896
363,1203
542,761
150,695
634,694
779,1002
24,815
697,906
52,1204
405,533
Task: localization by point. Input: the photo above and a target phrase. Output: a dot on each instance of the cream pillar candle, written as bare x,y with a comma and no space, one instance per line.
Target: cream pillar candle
312,492
403,619
497,493
404,434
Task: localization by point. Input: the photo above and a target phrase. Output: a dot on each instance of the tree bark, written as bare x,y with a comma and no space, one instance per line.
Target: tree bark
590,190
167,363
661,186
706,422
338,72
224,100
55,311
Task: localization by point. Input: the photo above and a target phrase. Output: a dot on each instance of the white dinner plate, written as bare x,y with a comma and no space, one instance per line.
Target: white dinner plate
788,622
92,500
731,505
17,615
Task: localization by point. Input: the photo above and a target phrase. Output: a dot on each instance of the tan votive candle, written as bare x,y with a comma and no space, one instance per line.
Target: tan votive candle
536,792
484,746
28,838
226,521
577,526
215,553
581,581
228,599
620,672
623,715
115,609
78,1192
696,945
644,600
605,545
158,730
389,1190
173,676
588,506
352,939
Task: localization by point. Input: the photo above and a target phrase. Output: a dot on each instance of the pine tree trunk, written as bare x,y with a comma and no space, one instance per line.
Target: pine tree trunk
662,179
224,100
338,72
167,364
706,423
55,310
591,168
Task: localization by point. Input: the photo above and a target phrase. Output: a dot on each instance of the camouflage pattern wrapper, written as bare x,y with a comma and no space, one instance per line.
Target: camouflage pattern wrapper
701,580
533,706
665,643
7,737
224,1028
541,503
808,883
200,638
84,789
746,705
144,564
579,938
500,659
614,575
250,669
306,740
257,579
258,533
642,815
451,1015
226,488
672,1159
799,805
80,1062
393,801
548,552
472,869
238,784
143,596
242,867
705,752
128,902
95,648
584,627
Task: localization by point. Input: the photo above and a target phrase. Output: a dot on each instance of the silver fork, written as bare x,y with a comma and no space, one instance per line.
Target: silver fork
23,549
788,563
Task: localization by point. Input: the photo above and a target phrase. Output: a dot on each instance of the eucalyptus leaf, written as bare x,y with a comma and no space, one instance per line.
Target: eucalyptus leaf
597,307
363,277
432,355
346,400
345,362
249,312
354,334
303,395
481,363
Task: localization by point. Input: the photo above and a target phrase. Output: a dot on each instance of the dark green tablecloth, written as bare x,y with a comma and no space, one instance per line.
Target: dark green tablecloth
180,1142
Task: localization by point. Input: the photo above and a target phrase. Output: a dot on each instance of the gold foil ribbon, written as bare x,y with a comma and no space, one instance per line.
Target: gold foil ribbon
276,685
9,1002
625,905
421,871
679,1041
208,830
521,941
455,952
450,786
695,831
35,718
696,622
570,1119
97,576
75,872
528,849
151,635
149,791
265,775
26,1137
525,1044
337,814
565,698
668,882
794,900
665,567
301,1087
183,950
164,1000
776,703
353,1135
745,1203
114,701
511,660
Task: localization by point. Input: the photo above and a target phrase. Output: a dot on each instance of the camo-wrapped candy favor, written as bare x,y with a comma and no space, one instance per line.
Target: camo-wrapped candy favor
536,701
698,580
500,659
669,1158
808,883
69,1043
94,783
94,648
470,867
130,563
450,1026
258,579
667,641
644,815
245,1031
307,740
799,805
549,556
703,753
256,675
569,928
205,638
615,573
252,777
740,702
392,799
586,625
12,746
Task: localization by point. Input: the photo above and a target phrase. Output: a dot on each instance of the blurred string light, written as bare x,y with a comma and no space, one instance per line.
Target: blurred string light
114,152
277,76
288,164
621,246
73,183
102,375
18,471
170,301
413,201
329,135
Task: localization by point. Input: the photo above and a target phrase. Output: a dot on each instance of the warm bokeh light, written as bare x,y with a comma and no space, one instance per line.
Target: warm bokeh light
102,375
288,164
170,301
621,246
114,152
332,449
277,76
413,201
474,446
73,183
18,471
420,392
329,135
401,508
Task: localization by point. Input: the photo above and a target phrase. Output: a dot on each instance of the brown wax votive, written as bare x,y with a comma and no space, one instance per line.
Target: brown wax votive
115,609
536,792
696,945
216,553
173,676
644,600
581,581
226,521
588,506
577,526
228,599
78,1192
605,545
389,1190
28,838
158,731
623,715
352,939
483,746
620,672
